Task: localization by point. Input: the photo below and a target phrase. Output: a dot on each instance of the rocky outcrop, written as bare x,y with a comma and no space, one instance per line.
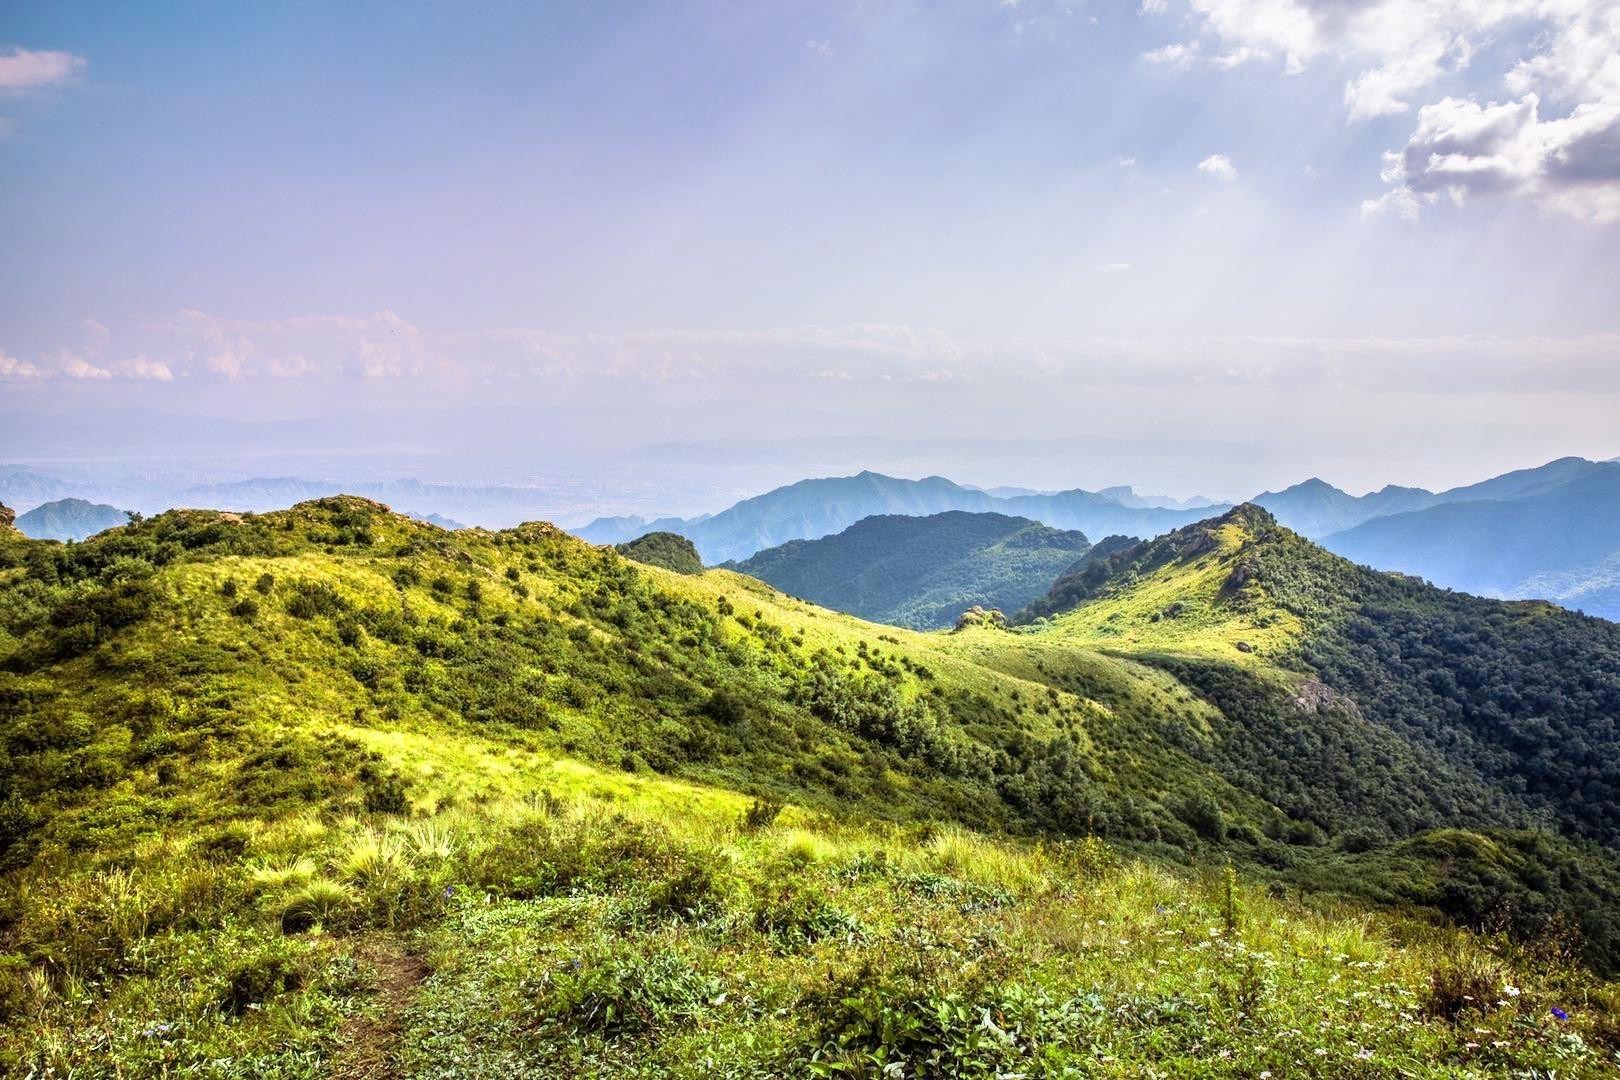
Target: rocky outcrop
1315,697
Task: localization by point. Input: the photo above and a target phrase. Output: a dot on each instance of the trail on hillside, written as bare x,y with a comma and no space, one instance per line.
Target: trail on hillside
369,1043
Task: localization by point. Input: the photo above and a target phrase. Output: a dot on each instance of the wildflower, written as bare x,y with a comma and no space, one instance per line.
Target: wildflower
1559,1014
1511,991
1363,1054
1319,1052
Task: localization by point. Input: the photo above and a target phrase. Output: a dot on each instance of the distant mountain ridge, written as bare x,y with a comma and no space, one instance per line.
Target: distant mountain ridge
921,572
69,519
814,508
1550,533
1314,508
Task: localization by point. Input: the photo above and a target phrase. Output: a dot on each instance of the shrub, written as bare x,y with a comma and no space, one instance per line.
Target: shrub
318,902
384,791
761,814
622,994
1459,985
1203,814
256,980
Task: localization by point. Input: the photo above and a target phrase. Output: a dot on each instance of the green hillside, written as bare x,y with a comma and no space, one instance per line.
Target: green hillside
922,572
329,791
669,550
1371,702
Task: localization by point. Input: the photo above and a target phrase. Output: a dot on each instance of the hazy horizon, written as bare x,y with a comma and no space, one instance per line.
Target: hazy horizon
1199,248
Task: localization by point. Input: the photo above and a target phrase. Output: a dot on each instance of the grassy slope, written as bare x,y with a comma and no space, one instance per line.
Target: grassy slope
252,817
1182,608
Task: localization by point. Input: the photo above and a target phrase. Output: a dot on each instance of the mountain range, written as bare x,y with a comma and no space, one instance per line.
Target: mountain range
1548,537
921,572
814,508
1532,533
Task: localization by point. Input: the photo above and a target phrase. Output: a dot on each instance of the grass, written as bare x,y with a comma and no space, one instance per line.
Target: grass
1182,609
647,933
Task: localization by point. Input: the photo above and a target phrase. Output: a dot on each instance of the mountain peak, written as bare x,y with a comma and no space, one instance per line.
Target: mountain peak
1250,515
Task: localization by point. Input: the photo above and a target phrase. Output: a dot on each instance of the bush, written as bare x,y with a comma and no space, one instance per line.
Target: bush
318,902
258,979
384,791
761,814
624,994
1203,814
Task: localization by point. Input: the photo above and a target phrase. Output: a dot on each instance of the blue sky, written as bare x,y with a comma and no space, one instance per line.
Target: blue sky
730,220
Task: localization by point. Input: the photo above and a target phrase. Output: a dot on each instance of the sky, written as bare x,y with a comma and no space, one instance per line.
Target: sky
1210,246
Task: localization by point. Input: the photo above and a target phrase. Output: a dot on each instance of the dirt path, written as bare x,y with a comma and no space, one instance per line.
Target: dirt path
368,1044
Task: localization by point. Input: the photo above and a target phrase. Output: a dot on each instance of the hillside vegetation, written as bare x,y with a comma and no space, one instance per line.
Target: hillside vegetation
922,572
668,550
329,790
1370,700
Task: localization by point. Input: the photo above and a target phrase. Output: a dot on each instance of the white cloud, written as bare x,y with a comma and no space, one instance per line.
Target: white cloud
70,366
1177,57
1218,165
1549,130
1115,267
1461,148
23,69
141,367
97,335
12,368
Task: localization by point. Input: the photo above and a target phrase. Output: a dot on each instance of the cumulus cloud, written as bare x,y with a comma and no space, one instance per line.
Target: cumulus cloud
71,366
12,368
1548,129
23,69
1218,165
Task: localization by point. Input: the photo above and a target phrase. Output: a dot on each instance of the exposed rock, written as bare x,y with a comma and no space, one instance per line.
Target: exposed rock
1316,697
1244,646
979,616
8,518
